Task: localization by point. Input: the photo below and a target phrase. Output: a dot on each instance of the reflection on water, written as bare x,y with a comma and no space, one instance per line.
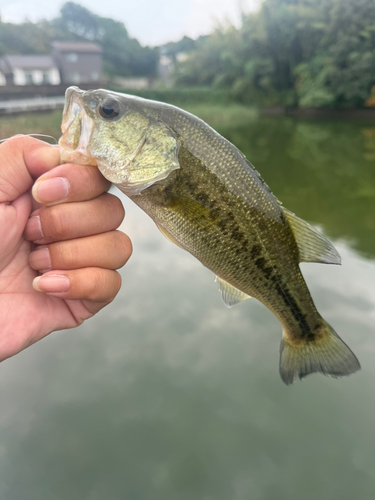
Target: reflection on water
169,395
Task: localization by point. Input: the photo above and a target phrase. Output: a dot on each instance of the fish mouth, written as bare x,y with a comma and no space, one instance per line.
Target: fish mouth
77,128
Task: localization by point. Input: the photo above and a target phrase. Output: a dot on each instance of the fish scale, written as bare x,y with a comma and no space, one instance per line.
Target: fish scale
206,197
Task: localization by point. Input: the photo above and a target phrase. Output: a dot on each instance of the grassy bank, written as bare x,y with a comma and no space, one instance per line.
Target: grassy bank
31,123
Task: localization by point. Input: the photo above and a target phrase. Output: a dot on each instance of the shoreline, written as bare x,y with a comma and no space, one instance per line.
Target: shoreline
355,114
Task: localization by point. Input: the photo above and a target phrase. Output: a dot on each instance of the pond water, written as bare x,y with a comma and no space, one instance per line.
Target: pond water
169,395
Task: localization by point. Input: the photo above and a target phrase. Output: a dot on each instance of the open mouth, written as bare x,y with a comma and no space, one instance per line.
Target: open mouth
77,128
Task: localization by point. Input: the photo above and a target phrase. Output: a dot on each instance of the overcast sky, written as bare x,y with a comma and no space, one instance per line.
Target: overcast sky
152,22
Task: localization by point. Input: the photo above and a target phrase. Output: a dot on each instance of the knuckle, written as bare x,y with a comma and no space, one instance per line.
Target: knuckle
20,142
54,224
103,285
63,255
98,285
94,285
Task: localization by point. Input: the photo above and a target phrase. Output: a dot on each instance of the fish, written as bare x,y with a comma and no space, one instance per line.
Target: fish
208,199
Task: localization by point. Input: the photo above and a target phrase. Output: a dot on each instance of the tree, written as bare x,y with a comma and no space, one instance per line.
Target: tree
122,55
292,52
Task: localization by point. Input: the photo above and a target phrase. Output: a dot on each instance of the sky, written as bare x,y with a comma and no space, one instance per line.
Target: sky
152,22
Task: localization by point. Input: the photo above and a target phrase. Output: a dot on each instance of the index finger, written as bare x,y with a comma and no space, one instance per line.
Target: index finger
68,183
22,159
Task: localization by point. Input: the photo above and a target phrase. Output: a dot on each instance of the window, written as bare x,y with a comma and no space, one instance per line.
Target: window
72,57
94,76
29,79
46,78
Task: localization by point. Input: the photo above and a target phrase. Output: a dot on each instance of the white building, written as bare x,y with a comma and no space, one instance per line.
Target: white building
31,70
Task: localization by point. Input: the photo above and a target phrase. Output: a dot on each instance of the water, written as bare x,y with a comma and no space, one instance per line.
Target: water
169,395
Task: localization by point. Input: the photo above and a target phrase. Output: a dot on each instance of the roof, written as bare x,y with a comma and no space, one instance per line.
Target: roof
30,62
76,47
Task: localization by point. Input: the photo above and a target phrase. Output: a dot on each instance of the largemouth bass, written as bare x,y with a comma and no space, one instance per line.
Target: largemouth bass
206,197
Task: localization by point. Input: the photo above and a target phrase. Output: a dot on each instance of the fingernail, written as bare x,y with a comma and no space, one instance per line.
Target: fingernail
33,229
51,190
40,259
51,283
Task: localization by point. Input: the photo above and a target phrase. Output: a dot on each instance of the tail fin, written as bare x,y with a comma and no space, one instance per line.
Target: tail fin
328,354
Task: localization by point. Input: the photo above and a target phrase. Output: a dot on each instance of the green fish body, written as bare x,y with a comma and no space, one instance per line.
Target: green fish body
206,197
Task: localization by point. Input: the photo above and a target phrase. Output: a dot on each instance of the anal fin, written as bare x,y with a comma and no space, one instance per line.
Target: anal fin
230,294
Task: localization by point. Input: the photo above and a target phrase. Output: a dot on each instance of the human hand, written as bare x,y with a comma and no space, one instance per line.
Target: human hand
70,237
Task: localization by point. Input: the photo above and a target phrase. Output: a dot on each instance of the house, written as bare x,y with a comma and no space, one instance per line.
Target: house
79,62
3,72
69,63
29,70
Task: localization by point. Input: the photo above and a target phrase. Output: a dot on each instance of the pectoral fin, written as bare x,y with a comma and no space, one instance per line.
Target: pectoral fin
230,294
169,237
312,246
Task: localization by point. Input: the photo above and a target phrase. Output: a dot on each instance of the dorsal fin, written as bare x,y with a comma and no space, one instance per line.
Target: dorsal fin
230,294
312,246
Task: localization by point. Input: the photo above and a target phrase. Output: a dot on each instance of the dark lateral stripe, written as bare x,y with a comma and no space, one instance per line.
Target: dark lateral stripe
294,308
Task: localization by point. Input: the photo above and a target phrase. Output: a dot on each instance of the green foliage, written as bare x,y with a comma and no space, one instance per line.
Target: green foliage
25,38
80,21
342,71
312,81
292,53
186,44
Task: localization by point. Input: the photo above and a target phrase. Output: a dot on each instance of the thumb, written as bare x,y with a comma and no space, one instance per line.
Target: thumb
22,159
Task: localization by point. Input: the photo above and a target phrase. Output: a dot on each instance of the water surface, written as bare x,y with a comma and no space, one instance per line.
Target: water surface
169,395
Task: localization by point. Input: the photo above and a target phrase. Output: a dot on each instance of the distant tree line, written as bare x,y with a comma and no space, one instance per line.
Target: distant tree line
293,53
122,55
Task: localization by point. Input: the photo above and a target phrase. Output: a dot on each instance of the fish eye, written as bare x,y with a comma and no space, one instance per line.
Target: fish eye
109,109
